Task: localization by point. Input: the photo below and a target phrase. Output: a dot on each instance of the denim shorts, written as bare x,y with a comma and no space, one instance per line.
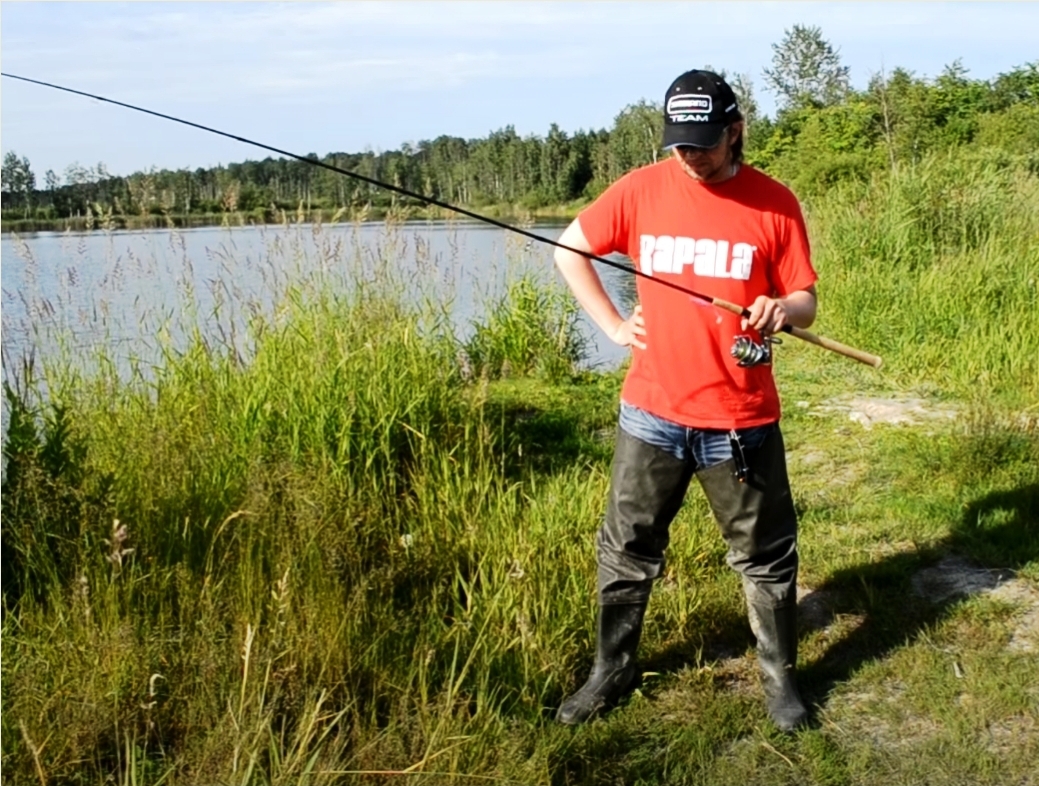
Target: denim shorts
703,446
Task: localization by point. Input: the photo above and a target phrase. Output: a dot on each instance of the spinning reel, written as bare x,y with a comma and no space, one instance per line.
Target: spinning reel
748,352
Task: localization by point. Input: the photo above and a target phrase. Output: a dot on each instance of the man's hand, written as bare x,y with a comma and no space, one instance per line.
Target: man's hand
627,332
769,315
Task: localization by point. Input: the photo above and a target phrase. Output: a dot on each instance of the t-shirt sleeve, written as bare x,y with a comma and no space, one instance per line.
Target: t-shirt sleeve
605,222
793,269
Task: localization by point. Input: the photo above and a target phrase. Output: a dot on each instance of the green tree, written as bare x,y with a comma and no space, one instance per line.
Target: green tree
806,70
17,179
554,154
918,115
743,87
1015,130
958,101
636,137
1018,86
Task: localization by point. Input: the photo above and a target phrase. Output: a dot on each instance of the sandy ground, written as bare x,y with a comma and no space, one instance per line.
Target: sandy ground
895,411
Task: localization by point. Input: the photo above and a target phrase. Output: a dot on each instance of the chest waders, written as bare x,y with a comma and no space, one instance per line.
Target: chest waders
758,522
647,486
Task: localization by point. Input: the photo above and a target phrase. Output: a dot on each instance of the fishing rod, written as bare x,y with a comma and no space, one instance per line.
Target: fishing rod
801,333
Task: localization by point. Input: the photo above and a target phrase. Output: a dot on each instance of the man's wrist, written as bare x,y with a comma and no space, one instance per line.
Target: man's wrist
615,330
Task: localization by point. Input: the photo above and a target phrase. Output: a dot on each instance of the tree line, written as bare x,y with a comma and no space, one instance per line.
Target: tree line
824,131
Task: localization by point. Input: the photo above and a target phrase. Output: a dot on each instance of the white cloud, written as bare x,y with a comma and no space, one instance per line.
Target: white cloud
224,51
289,69
295,51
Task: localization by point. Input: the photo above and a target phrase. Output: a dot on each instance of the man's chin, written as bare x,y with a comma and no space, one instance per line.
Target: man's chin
702,173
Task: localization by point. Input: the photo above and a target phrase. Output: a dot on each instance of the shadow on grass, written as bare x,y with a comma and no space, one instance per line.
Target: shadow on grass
996,531
548,438
717,631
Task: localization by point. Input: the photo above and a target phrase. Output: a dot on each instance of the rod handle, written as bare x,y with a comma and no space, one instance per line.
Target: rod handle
836,346
805,335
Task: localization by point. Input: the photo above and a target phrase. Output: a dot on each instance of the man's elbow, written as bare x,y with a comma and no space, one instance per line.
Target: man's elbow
575,241
811,307
809,319
805,304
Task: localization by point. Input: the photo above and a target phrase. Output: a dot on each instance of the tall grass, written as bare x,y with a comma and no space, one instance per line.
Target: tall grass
232,546
936,268
332,550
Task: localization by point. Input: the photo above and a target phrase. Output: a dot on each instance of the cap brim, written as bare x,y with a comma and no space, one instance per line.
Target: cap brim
695,134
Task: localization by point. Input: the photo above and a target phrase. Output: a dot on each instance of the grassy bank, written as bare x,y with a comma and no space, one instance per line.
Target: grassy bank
352,547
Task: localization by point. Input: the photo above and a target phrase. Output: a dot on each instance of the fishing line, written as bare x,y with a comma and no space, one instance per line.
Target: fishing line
734,308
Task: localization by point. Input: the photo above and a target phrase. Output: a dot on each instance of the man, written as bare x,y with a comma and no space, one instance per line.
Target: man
706,221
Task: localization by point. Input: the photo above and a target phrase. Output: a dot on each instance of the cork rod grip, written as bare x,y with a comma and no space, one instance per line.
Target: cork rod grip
811,338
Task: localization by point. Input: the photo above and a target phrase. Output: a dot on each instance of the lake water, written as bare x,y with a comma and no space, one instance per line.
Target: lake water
76,292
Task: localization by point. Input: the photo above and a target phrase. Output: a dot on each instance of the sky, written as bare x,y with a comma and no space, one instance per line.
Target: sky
353,76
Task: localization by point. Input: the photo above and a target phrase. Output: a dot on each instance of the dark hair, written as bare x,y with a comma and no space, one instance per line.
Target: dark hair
737,146
737,149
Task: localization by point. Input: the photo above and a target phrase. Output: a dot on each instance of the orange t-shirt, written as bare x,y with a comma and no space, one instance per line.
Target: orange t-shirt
733,240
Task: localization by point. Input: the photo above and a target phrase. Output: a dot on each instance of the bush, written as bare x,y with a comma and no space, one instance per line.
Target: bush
531,329
1016,130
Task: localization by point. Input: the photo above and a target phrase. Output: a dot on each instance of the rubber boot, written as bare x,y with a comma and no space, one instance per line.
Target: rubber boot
614,672
775,628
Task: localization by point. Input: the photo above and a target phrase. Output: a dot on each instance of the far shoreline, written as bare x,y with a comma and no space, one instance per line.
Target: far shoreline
90,224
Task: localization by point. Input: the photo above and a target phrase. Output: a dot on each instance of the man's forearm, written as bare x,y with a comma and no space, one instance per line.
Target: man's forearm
584,281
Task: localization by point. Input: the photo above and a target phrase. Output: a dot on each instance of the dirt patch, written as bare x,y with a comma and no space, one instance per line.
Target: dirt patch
880,716
1005,735
808,458
677,703
1025,596
877,715
896,411
821,464
955,576
738,675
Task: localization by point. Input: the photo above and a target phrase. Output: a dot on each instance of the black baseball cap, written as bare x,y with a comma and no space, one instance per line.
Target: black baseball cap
697,108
